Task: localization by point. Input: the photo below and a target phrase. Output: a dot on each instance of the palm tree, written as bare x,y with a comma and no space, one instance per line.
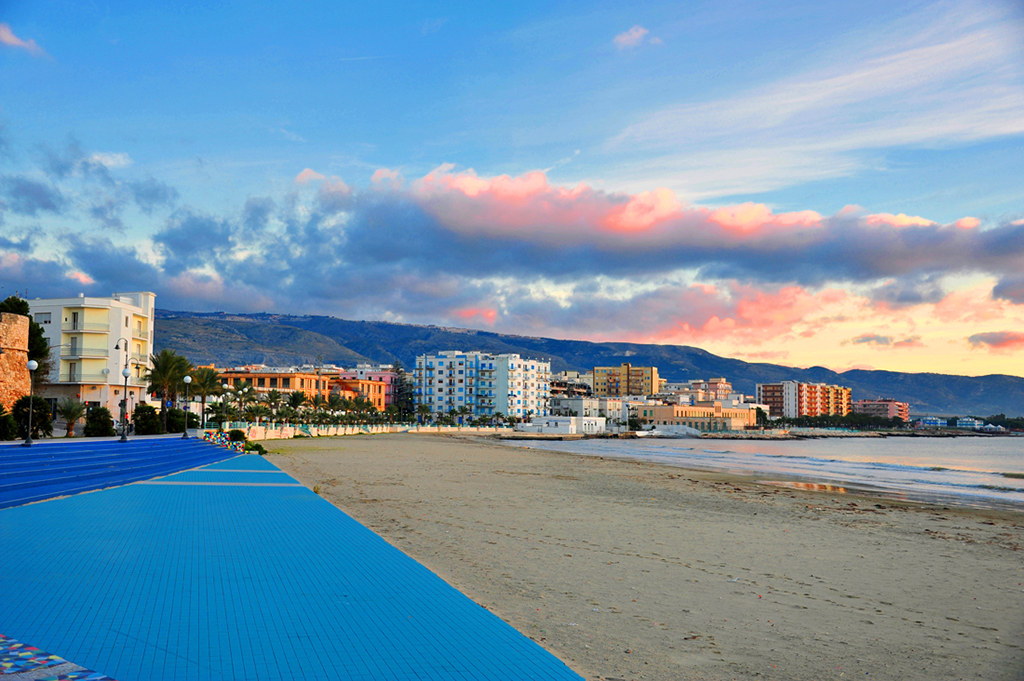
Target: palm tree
257,412
423,411
70,410
274,399
296,399
169,368
335,402
206,382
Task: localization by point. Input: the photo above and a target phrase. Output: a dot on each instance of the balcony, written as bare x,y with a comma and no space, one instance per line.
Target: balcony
71,353
67,377
82,327
140,333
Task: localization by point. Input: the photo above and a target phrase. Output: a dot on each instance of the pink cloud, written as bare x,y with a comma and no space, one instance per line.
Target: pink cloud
488,315
911,342
630,38
308,175
998,341
974,305
645,210
8,38
81,278
968,223
748,217
901,220
335,185
386,176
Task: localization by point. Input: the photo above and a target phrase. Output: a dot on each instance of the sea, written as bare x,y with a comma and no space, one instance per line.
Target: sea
978,472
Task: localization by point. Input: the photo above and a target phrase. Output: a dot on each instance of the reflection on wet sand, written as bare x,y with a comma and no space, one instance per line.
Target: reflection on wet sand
807,486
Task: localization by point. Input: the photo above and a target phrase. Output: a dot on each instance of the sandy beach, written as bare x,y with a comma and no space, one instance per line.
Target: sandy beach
631,570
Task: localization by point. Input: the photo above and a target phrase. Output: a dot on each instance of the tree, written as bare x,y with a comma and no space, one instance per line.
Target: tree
274,399
38,346
8,426
71,410
41,422
762,417
401,389
423,413
206,383
165,377
147,421
296,399
99,423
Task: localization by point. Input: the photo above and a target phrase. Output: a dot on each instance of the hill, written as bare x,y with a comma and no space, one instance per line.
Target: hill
228,340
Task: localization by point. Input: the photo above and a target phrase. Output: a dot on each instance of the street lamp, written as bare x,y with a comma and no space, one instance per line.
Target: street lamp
187,379
224,411
32,366
126,372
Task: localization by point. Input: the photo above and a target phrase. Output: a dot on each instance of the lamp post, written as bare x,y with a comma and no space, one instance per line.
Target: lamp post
126,372
224,411
32,366
187,379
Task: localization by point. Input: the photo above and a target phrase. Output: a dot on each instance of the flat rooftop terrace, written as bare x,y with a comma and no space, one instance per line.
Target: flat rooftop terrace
236,571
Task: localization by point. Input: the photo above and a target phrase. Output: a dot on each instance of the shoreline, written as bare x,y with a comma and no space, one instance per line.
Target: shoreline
629,570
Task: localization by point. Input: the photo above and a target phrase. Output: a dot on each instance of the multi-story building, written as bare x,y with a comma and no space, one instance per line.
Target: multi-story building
307,379
483,383
886,408
92,341
373,391
625,379
610,408
379,373
708,417
793,399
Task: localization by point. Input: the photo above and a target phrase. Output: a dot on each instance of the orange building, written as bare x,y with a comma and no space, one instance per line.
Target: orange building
264,379
705,416
373,391
793,399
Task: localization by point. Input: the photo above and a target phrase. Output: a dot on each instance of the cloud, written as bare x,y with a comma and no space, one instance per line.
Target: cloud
967,223
1010,288
471,314
256,213
8,38
910,342
109,214
29,197
111,160
998,341
946,75
150,194
631,38
308,175
387,177
900,220
873,339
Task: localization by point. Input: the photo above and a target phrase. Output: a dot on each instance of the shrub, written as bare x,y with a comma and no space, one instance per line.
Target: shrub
236,435
8,426
147,420
175,421
256,447
98,423
42,425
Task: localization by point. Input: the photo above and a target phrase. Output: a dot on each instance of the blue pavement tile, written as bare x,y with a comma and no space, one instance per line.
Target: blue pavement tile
240,582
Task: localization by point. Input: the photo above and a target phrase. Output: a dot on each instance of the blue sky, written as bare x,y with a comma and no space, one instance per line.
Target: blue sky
173,137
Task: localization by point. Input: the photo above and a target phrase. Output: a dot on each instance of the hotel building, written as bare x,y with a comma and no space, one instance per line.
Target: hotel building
709,417
307,379
92,340
793,399
625,379
485,384
885,408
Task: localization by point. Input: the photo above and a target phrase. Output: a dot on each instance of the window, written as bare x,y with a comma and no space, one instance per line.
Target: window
126,322
260,383
42,317
273,383
286,383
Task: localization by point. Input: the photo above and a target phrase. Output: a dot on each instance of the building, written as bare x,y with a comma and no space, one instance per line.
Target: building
14,374
969,422
564,425
92,341
626,379
932,422
572,384
482,383
306,379
708,417
379,373
611,408
793,399
371,390
886,408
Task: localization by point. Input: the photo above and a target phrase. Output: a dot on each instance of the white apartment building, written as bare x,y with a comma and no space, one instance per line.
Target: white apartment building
483,383
92,340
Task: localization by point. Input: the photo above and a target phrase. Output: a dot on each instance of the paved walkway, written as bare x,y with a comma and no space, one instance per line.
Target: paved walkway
236,571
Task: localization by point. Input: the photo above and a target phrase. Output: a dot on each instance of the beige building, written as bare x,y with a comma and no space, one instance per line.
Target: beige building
793,399
626,379
92,340
708,417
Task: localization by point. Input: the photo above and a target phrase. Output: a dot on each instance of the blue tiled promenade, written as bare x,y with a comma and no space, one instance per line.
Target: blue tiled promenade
235,571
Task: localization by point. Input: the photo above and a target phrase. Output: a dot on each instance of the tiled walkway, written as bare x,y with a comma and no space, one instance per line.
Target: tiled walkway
257,578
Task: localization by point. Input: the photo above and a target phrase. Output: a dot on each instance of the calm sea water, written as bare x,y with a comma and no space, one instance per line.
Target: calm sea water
966,471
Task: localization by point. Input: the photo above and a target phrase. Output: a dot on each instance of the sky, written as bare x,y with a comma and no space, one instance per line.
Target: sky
803,183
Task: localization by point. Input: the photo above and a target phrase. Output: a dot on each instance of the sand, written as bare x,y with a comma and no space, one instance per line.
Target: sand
628,570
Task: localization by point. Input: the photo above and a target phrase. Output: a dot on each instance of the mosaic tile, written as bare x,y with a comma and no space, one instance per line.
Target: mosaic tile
16,657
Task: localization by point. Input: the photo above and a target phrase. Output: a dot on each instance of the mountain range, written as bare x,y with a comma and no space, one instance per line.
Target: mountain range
282,340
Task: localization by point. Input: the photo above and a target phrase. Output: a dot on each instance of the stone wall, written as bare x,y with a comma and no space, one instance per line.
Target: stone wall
14,345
